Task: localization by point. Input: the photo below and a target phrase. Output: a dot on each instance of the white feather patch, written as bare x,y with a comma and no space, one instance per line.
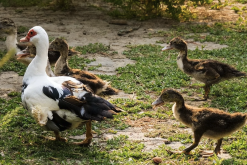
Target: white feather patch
180,63
40,114
82,111
175,112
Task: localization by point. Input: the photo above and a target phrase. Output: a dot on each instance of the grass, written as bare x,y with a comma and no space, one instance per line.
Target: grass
153,71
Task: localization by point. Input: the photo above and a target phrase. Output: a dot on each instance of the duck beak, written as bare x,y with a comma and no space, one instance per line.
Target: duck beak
168,47
25,39
158,102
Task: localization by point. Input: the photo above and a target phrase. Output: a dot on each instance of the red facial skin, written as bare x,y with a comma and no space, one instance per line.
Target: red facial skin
30,34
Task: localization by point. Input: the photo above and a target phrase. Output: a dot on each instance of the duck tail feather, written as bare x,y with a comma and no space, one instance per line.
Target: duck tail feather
102,115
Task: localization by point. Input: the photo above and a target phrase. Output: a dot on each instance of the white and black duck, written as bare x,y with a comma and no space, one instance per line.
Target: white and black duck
59,103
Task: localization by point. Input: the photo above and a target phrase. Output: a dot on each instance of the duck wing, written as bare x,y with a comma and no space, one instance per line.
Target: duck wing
85,105
90,107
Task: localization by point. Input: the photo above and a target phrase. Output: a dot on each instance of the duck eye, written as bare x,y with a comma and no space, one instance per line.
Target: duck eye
31,33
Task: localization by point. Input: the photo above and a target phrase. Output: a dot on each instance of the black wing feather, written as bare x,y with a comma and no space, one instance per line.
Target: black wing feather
53,93
60,122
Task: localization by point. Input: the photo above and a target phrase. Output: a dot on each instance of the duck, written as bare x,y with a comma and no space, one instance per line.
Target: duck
59,103
206,71
8,29
204,122
97,85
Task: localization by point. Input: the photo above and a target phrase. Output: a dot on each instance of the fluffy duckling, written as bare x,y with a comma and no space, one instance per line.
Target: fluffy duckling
97,85
208,122
9,30
207,71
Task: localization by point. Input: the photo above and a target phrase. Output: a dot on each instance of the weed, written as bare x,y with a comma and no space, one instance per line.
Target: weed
241,1
92,48
235,8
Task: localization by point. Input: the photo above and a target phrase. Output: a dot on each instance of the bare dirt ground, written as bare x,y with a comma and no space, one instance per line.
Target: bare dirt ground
87,25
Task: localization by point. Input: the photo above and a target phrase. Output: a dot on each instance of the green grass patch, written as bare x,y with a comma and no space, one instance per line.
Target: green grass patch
12,65
92,48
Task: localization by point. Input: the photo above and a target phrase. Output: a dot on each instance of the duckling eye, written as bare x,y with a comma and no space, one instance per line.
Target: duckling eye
165,95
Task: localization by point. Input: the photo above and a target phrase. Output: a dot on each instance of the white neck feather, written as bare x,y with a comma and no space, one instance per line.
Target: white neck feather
38,65
11,42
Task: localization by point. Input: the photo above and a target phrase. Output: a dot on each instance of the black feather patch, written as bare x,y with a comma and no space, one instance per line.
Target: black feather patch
53,93
24,86
60,122
65,104
97,108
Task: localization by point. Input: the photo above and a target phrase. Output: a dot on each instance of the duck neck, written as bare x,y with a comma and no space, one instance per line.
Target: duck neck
183,55
179,100
61,66
182,60
11,42
38,65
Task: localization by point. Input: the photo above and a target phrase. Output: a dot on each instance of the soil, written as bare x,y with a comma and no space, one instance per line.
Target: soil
87,24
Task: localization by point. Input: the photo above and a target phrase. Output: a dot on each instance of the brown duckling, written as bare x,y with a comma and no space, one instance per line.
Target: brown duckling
97,85
8,29
207,71
209,122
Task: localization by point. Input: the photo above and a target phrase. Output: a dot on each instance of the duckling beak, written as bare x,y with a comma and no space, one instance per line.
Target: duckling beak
158,102
168,47
22,54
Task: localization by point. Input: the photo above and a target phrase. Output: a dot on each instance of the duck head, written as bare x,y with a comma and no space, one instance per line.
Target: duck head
59,45
38,37
167,95
7,27
176,43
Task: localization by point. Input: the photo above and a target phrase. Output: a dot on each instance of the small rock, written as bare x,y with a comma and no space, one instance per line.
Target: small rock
2,154
157,160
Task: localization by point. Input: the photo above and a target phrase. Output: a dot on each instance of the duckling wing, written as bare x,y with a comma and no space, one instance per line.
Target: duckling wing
212,69
216,123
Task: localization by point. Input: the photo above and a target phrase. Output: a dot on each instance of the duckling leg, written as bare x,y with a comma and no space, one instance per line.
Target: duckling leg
206,89
206,92
206,154
197,138
217,148
89,135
